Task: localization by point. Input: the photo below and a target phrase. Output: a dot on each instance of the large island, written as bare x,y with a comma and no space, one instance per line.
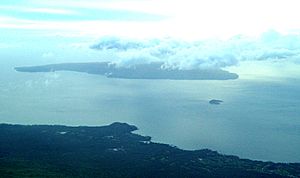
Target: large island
114,151
140,71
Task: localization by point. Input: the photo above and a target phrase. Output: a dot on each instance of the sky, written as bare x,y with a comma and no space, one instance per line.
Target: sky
183,33
191,19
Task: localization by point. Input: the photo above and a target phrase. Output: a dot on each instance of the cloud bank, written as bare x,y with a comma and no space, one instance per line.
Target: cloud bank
213,54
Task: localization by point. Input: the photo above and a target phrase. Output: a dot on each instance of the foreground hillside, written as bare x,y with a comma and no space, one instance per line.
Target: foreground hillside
114,151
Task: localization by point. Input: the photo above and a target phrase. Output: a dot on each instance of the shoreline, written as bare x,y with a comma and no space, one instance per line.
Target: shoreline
99,147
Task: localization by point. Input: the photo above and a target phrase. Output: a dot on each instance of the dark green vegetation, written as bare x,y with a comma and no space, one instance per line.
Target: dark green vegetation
114,151
141,71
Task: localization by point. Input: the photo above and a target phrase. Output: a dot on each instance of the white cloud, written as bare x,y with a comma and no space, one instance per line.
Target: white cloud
188,19
173,53
130,5
43,10
87,27
50,11
48,55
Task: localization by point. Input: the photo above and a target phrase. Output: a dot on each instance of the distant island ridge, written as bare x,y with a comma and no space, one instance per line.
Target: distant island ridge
139,71
115,151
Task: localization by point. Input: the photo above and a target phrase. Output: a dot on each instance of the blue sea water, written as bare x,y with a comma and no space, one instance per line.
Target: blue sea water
259,119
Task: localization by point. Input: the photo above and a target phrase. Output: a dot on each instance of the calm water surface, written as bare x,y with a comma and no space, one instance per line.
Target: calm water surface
259,119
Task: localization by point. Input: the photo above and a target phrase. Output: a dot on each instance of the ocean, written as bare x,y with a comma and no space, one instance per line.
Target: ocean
259,119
